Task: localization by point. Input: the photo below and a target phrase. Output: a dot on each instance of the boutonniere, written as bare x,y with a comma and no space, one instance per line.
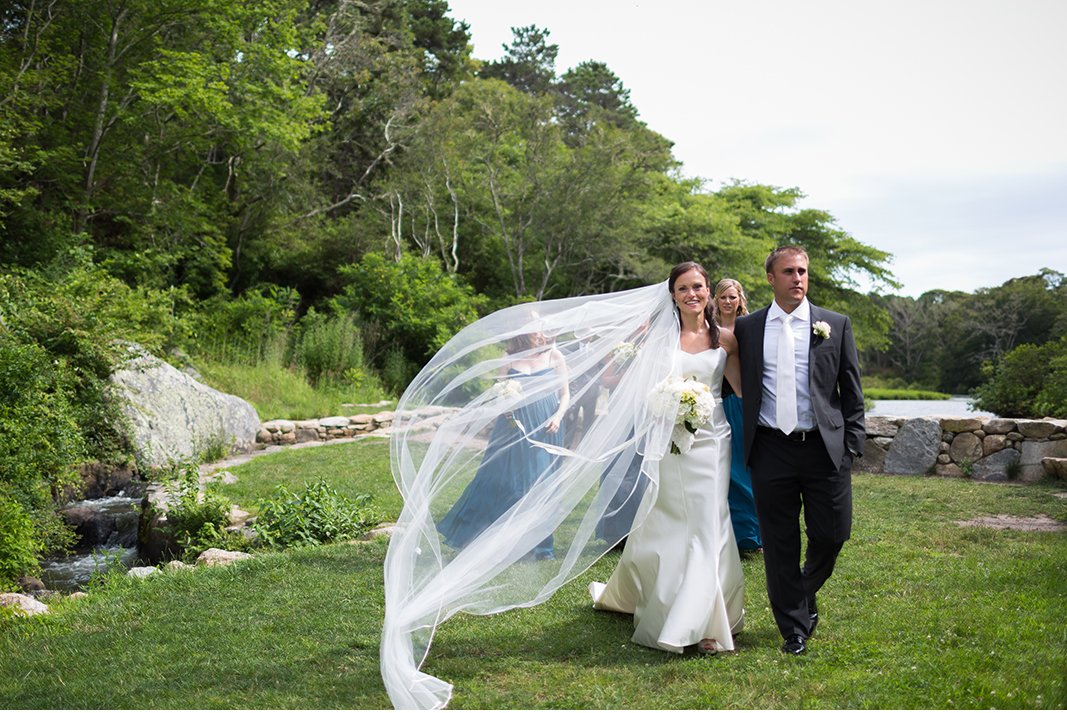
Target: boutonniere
821,329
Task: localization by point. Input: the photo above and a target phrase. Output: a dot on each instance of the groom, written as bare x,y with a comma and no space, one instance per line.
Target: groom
803,424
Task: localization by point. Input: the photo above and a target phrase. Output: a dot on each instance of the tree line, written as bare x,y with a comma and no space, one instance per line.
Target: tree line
977,343
216,149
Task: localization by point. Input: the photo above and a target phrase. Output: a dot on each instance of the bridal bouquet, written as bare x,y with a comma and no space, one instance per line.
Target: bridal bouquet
694,407
507,390
624,353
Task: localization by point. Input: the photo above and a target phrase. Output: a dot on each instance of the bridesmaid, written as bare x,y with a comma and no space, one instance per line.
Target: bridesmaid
512,464
731,303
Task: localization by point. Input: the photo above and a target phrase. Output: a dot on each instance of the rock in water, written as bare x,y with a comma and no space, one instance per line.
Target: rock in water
174,416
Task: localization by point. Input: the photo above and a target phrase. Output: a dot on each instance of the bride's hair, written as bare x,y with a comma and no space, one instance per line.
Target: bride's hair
709,309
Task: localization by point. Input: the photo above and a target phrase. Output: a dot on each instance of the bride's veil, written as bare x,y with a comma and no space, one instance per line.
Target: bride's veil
440,433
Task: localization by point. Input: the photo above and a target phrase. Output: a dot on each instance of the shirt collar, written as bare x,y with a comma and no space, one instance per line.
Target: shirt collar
802,313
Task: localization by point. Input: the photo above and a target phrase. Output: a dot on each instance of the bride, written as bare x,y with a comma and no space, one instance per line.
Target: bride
680,573
443,435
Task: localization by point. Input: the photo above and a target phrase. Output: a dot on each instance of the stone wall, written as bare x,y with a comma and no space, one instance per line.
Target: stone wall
280,432
980,448
986,449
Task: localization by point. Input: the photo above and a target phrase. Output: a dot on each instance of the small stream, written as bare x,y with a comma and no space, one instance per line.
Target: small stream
67,573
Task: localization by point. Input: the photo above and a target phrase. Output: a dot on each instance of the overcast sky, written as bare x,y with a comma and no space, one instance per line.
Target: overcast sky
931,129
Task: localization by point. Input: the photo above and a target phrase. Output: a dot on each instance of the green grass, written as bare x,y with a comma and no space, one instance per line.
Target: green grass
279,392
920,613
905,394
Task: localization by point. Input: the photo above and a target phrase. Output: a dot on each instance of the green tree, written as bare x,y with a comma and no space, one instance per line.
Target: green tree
529,64
411,304
1029,381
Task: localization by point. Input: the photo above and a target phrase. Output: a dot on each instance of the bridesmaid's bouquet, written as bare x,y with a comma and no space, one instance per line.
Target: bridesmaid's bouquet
694,404
624,353
507,390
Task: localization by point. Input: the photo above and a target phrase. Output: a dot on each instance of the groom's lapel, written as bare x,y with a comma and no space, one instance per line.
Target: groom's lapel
813,339
761,329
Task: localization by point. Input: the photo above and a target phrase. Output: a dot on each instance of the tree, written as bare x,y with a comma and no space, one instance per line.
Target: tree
590,93
539,217
529,63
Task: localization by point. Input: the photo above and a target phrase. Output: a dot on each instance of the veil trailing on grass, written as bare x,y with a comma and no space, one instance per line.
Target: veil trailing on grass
442,437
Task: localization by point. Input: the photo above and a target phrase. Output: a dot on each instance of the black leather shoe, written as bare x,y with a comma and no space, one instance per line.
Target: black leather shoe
813,616
794,644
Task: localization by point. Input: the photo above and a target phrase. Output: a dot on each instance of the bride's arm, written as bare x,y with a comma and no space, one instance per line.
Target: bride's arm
733,362
559,364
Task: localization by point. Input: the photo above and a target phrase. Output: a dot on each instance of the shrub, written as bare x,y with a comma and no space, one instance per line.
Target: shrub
397,371
328,347
317,516
197,520
1029,381
19,544
412,305
251,328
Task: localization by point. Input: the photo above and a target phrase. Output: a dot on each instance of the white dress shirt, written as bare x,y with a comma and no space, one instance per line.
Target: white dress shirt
801,327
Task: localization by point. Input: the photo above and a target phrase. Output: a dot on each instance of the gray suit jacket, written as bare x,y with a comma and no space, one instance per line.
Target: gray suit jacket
833,381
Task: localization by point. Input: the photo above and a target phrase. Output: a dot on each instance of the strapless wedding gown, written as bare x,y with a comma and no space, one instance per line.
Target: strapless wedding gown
680,573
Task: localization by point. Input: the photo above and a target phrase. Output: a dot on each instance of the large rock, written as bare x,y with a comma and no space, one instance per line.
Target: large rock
175,417
215,557
957,424
886,426
1037,429
872,460
965,446
994,467
22,604
1033,452
999,426
92,527
1055,467
915,448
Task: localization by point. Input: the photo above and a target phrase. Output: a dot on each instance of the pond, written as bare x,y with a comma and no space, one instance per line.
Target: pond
956,406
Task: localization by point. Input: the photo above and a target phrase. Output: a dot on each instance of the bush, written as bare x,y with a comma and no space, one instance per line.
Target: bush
19,544
397,371
412,305
328,348
1030,381
196,520
251,328
317,516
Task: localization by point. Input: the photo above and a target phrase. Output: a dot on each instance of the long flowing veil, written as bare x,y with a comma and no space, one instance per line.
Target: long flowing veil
441,432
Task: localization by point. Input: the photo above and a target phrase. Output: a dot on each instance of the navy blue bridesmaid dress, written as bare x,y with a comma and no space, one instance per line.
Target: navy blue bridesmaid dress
510,467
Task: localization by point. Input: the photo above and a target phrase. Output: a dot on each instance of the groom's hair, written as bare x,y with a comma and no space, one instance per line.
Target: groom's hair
783,250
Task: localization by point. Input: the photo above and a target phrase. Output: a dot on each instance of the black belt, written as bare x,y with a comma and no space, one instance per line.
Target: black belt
794,436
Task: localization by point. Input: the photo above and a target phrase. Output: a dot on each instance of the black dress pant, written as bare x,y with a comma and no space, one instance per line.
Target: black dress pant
787,476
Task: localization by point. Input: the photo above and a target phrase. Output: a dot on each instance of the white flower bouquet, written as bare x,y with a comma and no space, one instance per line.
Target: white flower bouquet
821,329
507,390
624,353
694,404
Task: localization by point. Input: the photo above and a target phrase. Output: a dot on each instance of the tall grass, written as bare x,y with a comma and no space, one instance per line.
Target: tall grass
308,370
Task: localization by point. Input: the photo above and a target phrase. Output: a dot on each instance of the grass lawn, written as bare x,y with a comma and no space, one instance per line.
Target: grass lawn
921,613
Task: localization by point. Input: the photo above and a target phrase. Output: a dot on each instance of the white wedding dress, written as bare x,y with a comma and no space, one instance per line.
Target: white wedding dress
680,572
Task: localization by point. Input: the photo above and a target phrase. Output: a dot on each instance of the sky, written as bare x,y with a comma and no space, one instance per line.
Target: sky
931,129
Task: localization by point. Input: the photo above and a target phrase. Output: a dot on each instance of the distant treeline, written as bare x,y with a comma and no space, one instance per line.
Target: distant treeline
941,340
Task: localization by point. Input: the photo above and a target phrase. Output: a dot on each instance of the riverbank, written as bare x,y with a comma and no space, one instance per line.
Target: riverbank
959,406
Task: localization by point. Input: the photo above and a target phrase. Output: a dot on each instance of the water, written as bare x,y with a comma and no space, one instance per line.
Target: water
956,406
70,572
